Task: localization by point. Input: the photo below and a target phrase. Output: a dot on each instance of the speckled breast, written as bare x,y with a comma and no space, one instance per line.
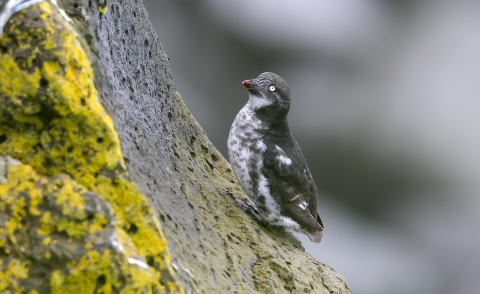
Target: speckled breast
241,148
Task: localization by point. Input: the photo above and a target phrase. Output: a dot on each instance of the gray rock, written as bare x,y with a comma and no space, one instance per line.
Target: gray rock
215,246
5,164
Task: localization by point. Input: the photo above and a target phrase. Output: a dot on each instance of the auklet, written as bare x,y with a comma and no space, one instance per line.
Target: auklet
268,162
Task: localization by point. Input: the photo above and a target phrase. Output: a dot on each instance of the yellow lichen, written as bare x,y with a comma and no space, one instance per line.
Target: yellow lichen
57,226
98,224
47,224
51,118
15,270
103,7
81,145
72,228
133,209
56,281
17,83
35,200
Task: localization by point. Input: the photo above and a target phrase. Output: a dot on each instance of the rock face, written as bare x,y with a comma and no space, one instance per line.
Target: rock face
58,236
87,97
70,218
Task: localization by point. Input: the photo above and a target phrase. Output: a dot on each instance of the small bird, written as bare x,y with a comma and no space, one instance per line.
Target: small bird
268,162
10,7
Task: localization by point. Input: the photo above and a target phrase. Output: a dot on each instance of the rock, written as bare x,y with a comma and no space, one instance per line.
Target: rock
58,236
63,120
51,119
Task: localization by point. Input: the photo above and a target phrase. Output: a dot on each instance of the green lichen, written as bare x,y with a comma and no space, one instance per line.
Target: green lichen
51,119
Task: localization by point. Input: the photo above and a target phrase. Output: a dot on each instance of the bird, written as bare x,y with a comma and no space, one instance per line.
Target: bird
268,162
10,7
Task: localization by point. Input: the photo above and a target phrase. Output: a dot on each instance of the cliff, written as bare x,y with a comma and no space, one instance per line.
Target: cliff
108,183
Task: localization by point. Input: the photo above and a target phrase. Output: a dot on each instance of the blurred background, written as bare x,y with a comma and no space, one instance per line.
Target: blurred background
385,106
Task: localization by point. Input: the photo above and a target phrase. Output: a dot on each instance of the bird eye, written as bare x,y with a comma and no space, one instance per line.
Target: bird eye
272,88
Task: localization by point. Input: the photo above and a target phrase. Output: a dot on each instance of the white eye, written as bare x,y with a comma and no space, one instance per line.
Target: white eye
272,88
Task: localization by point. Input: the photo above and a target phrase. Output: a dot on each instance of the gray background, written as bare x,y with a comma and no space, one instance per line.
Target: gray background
386,108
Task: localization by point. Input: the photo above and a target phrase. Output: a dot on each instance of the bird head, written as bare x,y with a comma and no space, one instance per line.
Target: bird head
268,92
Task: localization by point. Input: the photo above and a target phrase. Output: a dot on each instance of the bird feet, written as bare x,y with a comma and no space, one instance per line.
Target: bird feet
248,206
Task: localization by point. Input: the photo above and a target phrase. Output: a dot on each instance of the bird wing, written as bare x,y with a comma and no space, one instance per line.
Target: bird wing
290,180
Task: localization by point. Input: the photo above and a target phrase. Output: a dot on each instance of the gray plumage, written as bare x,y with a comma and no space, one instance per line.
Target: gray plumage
268,162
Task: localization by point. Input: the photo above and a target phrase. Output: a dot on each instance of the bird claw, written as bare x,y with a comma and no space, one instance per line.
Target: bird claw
248,206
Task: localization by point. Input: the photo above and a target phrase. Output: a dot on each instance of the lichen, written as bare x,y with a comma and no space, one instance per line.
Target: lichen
51,119
229,252
53,233
14,271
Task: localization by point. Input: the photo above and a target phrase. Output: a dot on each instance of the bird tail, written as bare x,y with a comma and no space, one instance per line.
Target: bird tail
315,236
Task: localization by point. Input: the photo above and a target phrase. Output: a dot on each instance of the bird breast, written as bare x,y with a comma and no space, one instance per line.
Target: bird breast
245,147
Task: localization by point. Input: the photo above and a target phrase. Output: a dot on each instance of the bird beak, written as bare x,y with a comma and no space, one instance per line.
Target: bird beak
249,84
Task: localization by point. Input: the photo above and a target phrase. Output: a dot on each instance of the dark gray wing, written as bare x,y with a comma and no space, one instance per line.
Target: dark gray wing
291,182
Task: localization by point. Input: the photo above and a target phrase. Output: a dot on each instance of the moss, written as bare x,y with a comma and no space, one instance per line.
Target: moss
51,119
